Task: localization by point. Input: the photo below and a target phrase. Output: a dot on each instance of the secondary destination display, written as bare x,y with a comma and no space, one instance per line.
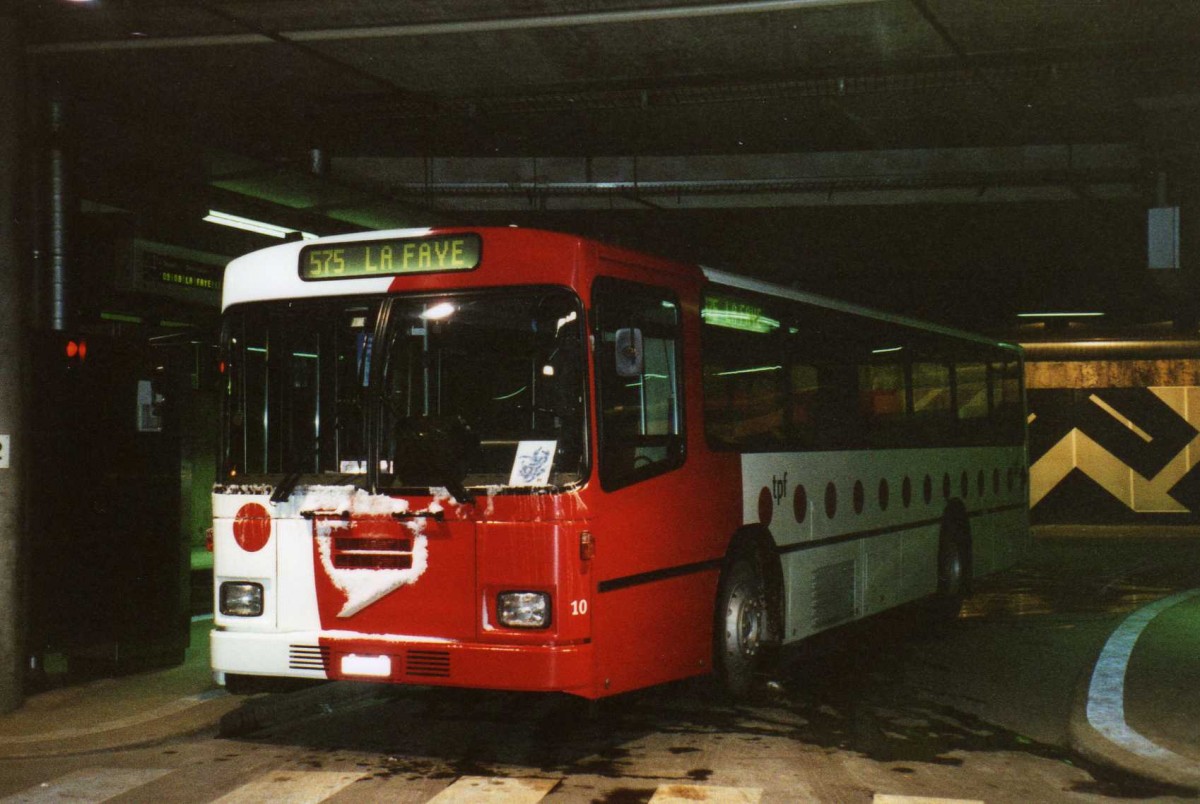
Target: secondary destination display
407,255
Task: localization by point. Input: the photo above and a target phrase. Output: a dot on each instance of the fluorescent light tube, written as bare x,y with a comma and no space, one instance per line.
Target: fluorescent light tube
251,225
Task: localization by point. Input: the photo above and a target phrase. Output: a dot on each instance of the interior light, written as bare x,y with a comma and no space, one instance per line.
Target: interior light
251,225
124,318
521,390
1061,315
755,370
567,319
439,312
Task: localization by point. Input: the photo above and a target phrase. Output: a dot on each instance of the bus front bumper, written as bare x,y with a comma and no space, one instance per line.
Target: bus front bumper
541,668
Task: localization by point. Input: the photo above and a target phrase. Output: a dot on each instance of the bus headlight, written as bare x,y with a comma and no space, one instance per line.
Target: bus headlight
241,599
524,609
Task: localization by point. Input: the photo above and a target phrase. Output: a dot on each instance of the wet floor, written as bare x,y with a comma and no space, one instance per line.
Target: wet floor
862,690
970,709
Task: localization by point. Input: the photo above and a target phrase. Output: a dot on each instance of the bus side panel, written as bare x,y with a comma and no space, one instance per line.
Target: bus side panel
655,633
660,546
858,530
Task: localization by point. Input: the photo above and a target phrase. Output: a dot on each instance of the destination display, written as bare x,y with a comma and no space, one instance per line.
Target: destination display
407,255
168,270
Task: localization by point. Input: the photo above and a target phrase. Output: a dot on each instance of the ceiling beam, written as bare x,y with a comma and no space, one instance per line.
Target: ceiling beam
442,186
452,27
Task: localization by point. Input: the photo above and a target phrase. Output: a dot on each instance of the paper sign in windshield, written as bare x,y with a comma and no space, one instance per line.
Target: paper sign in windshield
532,465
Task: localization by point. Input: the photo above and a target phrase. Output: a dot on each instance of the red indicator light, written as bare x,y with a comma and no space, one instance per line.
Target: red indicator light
76,349
587,546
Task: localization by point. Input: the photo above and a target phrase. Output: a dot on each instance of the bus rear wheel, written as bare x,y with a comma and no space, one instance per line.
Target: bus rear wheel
954,572
742,626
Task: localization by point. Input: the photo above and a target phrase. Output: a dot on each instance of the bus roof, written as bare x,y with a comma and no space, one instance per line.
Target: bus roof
376,262
740,282
276,273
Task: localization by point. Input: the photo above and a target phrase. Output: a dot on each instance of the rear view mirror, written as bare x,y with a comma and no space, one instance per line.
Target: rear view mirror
629,352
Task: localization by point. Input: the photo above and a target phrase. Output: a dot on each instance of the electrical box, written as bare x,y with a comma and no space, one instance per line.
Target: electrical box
1162,242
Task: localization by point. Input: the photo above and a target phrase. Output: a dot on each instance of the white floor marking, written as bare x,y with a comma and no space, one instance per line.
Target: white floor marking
885,798
88,786
291,787
1106,693
472,789
685,793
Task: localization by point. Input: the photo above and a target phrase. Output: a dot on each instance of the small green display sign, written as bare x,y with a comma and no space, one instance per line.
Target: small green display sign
408,255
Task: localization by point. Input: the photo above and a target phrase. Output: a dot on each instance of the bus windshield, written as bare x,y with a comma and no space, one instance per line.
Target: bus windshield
476,389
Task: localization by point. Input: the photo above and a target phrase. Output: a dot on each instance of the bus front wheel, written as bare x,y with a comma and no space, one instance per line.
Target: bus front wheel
742,626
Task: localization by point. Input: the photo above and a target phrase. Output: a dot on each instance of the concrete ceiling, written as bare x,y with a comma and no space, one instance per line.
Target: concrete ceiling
371,113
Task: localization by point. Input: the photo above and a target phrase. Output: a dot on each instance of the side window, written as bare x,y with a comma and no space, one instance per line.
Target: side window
638,369
971,386
745,395
931,390
883,394
1007,401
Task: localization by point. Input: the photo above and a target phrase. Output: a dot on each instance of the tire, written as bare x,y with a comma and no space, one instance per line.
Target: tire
742,627
953,574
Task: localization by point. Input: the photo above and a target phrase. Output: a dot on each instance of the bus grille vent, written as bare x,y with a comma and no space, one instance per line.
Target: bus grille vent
429,663
833,594
307,657
373,552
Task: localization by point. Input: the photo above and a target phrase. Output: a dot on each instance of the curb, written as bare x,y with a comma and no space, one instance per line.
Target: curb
1096,747
1156,764
232,716
189,715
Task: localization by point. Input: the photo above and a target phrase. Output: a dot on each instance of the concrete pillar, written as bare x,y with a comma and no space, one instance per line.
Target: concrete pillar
13,372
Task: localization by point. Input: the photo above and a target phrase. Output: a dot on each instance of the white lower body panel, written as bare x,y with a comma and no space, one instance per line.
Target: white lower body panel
295,654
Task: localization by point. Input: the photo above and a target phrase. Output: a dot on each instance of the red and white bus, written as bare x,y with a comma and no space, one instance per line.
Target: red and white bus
513,459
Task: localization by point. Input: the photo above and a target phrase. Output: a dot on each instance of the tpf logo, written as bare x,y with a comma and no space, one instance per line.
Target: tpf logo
779,487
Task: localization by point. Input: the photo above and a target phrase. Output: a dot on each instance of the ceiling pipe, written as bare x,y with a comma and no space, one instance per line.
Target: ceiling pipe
619,17
58,201
719,186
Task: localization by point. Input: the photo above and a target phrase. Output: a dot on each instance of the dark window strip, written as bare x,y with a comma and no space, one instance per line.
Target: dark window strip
867,534
615,584
659,575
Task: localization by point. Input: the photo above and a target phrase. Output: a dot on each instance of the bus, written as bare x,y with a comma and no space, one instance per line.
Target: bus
513,459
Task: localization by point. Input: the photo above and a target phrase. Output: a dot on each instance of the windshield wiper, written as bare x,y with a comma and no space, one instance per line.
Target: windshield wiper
285,488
